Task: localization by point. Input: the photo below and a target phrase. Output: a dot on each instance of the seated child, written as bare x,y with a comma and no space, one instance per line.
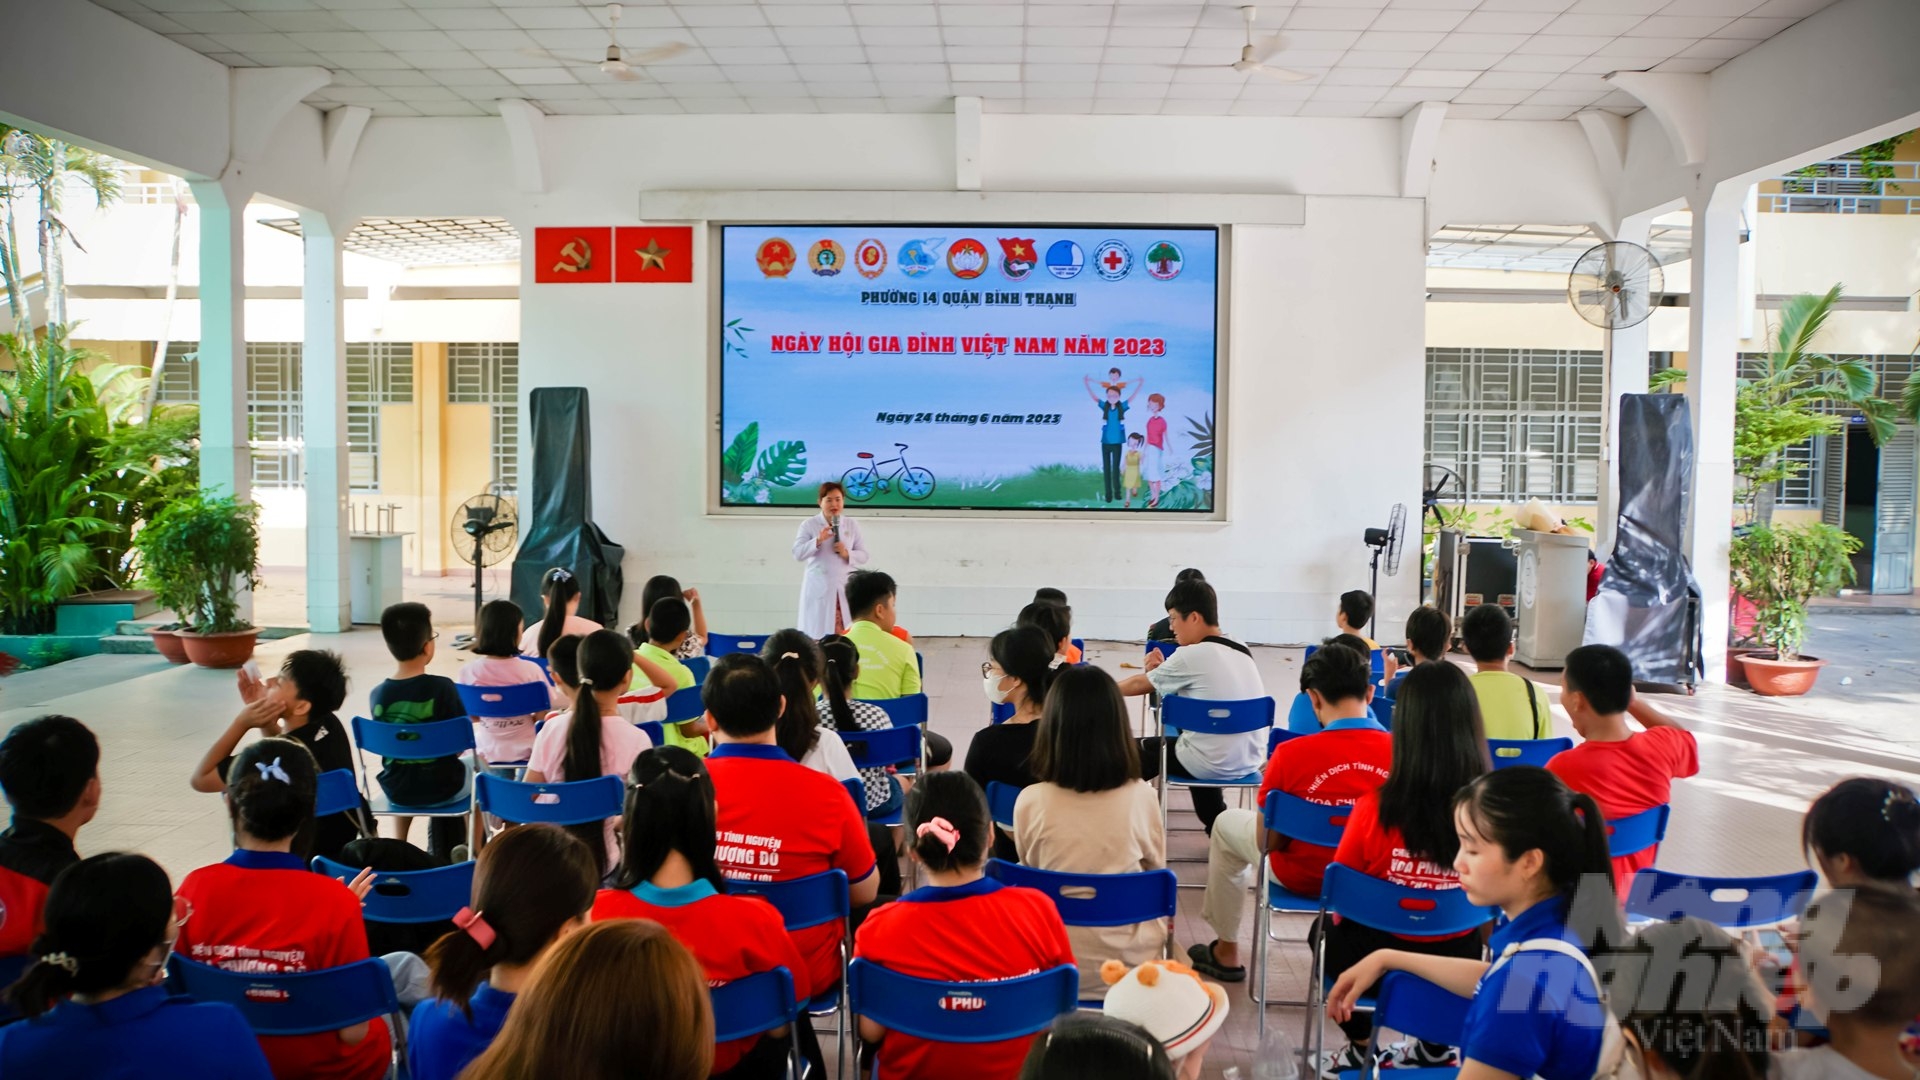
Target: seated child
960,926
1510,705
1356,611
592,739
1179,1009
1625,771
1057,621
667,626
661,587
1428,635
796,662
50,773
411,696
1098,1044
1860,949
262,911
533,886
560,591
298,704
1697,1010
1163,630
497,662
94,995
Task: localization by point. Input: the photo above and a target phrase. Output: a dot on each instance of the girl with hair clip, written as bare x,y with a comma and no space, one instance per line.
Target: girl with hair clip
796,662
563,664
1021,666
1690,1005
95,996
617,1000
591,739
962,926
839,666
262,911
533,886
1095,1046
660,587
668,875
497,662
1536,850
560,592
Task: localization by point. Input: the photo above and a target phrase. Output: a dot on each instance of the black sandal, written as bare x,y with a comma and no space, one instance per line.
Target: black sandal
1202,961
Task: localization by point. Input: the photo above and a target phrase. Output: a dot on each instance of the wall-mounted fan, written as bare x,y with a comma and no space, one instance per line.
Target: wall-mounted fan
485,530
1616,285
1386,544
617,63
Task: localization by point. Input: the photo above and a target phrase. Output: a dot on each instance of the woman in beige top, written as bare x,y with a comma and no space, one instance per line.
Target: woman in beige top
1090,813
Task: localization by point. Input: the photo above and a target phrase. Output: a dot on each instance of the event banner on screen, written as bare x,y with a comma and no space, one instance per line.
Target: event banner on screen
1021,367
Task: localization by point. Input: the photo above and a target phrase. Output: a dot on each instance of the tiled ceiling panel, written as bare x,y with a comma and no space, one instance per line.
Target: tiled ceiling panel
1495,59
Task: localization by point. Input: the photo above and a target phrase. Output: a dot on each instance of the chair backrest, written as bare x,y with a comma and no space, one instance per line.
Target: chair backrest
1164,648
305,1003
1413,1006
1276,736
962,1012
1001,713
1000,802
857,791
1382,707
727,644
434,739
909,711
335,793
1301,719
574,803
520,699
1098,899
1507,752
1216,717
541,660
1630,835
1732,903
699,665
879,749
412,896
1080,644
758,1003
1307,822
1397,909
1376,660
813,900
684,705
655,731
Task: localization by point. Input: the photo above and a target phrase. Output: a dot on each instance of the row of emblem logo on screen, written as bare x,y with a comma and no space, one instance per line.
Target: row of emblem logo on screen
968,258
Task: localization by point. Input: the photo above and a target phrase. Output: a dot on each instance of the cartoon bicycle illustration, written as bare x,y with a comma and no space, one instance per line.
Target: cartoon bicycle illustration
864,479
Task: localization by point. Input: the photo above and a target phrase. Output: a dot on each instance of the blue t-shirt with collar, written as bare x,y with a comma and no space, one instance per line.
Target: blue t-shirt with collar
441,1040
1538,1014
145,1035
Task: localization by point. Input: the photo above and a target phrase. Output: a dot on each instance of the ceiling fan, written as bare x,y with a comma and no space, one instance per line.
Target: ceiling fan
1252,55
617,63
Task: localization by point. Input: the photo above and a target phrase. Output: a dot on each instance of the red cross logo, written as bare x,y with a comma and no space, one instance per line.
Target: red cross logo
1112,260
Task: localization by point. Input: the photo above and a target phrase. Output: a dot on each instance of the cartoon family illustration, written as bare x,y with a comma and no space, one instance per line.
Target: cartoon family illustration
1141,454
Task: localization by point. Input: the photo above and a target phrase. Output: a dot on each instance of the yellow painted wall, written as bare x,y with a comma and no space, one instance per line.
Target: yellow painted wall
466,471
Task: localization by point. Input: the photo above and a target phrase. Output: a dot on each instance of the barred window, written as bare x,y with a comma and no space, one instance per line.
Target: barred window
488,373
276,426
1517,423
378,373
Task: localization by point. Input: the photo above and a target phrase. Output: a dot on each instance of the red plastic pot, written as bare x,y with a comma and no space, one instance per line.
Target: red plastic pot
1781,678
169,644
229,650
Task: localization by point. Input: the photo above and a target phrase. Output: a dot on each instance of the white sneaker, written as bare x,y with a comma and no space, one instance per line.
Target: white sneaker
1332,1063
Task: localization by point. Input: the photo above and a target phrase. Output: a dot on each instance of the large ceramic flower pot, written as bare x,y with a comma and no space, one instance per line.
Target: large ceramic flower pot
169,644
228,650
1781,678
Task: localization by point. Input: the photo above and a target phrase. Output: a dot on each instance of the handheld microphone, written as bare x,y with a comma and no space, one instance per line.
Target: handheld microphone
835,522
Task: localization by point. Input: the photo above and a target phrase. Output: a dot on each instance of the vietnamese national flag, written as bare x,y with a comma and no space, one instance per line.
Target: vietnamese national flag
653,253
573,255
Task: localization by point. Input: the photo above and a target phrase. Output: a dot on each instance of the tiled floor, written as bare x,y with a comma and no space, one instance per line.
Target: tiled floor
1762,760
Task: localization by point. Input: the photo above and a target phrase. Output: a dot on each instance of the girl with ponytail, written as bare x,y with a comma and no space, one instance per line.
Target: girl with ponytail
962,926
560,591
110,925
796,662
592,739
837,708
532,887
1537,851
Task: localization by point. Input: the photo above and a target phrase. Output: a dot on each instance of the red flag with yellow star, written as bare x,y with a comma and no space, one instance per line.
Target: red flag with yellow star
644,254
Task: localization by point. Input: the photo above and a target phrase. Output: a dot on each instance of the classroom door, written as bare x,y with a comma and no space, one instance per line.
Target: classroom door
1894,513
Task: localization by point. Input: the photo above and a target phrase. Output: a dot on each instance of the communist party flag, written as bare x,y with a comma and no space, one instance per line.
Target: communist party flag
573,255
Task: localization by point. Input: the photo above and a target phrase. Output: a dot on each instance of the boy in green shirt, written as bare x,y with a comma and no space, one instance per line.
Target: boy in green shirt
668,624
1511,707
888,666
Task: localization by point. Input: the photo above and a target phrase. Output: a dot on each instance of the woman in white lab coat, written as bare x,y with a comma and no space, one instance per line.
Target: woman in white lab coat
831,547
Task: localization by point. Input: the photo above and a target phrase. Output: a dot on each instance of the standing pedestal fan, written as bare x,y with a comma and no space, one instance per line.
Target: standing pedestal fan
1385,543
484,532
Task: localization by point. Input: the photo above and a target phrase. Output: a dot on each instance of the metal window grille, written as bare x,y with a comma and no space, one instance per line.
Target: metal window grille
488,373
1517,423
276,427
378,373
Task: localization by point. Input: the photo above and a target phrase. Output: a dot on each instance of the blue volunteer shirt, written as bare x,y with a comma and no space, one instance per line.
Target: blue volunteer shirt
442,1040
1538,1014
145,1035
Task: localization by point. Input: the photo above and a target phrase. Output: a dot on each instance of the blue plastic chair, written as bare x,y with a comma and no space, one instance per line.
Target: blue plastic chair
700,666
305,1003
1164,648
814,900
413,896
575,803
1277,736
1382,707
1310,823
1179,714
1376,660
1301,719
719,645
503,702
436,739
1731,903
336,792
909,711
684,705
542,661
857,791
1000,802
1001,713
1632,835
1418,1009
1390,908
755,1005
879,749
1116,900
655,731
992,1011
1082,646
1505,752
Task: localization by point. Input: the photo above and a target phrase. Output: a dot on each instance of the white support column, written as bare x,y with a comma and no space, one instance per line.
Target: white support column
323,392
1713,318
1627,370
225,465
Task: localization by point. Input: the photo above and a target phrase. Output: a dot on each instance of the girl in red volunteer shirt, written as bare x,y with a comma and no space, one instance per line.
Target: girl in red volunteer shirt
1402,833
961,927
263,911
668,875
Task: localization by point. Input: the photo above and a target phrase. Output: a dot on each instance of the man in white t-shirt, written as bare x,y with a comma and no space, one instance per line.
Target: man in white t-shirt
1210,667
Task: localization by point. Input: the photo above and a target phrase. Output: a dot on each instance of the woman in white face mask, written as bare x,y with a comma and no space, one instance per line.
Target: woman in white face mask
1022,665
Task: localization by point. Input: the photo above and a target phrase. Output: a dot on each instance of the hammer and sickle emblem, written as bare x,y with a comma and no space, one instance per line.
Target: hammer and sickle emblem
576,256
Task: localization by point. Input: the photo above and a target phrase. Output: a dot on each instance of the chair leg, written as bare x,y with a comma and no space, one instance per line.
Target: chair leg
1315,1033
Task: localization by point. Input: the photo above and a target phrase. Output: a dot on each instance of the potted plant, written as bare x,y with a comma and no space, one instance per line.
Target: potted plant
1780,568
207,547
167,557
